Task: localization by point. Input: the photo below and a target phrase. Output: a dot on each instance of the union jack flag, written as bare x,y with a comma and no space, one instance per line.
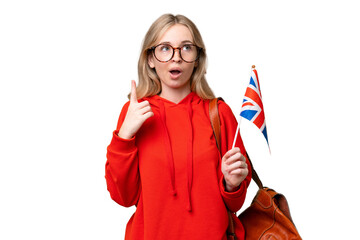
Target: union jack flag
252,108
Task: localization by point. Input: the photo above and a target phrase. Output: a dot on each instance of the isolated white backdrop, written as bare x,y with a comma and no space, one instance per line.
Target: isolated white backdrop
65,71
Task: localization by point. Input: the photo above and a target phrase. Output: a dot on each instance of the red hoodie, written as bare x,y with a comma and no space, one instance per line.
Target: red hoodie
171,171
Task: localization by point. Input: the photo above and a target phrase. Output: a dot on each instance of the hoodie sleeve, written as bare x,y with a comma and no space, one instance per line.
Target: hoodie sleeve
233,200
122,167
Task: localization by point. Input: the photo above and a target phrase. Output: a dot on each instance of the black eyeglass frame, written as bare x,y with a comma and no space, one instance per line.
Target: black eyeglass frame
199,49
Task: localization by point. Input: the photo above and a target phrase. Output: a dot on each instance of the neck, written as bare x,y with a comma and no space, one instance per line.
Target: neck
175,95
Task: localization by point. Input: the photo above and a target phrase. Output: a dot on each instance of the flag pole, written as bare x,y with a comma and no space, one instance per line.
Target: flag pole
239,121
237,132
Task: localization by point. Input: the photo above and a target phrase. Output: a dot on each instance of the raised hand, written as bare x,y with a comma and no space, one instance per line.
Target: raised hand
136,115
234,168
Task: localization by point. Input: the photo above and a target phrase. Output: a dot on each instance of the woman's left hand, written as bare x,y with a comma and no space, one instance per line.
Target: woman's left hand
234,168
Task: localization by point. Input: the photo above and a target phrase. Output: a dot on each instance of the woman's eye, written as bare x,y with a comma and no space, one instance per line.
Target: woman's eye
164,48
186,48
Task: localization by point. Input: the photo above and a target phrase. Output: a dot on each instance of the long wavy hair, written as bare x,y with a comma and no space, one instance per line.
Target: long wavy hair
149,82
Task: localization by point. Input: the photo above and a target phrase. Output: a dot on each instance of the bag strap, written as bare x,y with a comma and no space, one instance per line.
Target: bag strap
215,123
215,120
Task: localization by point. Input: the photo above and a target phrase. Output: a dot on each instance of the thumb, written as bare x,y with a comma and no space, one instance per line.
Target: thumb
133,97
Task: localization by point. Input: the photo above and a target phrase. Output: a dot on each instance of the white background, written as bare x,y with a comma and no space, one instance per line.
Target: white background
65,71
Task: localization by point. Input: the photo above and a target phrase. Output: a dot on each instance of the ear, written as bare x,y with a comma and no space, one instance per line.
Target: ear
151,61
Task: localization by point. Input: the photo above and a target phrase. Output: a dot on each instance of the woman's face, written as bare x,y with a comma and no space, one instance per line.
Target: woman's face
174,74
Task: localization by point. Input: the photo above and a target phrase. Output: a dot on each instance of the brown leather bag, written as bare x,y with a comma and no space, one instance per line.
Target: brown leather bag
268,217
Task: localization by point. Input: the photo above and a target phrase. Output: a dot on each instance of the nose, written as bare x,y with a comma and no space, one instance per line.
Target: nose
177,57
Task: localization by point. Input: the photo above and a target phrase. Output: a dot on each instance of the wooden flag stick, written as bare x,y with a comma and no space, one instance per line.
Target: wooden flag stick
237,132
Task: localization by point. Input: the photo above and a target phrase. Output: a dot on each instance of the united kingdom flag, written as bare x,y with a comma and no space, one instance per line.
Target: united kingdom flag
252,108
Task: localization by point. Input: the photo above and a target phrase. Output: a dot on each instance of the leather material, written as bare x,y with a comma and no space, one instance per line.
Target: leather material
215,120
268,217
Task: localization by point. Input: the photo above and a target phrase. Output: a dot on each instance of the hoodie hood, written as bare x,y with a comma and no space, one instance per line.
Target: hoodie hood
163,106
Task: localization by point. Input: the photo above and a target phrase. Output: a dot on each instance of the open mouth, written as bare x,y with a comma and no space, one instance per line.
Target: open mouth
175,73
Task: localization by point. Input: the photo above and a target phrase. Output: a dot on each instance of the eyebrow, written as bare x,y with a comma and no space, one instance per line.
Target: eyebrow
183,42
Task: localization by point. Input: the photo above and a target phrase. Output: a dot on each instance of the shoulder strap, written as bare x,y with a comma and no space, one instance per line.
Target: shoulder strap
215,123
215,120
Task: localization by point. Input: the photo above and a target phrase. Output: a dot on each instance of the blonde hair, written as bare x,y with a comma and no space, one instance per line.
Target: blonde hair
149,82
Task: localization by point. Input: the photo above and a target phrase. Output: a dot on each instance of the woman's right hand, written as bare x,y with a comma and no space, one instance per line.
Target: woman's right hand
136,115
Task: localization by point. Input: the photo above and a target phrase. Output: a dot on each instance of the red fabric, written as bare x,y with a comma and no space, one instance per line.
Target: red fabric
171,171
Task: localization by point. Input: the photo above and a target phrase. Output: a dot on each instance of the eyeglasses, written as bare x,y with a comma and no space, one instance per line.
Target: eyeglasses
165,52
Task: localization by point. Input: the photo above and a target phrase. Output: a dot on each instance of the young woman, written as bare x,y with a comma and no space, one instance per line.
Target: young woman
163,156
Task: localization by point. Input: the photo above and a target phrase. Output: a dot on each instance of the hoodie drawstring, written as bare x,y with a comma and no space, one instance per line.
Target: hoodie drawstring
169,152
189,163
190,157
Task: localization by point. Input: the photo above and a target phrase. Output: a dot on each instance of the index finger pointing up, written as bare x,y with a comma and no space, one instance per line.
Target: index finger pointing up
133,97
